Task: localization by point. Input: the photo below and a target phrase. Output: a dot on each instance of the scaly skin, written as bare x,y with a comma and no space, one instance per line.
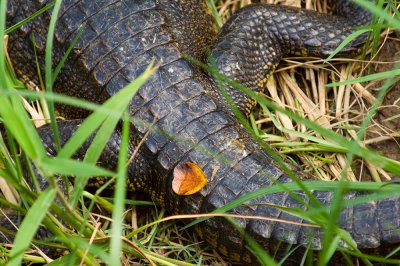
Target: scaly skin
121,38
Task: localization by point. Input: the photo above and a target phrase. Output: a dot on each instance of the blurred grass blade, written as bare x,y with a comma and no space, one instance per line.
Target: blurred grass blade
118,103
66,54
69,167
19,125
31,17
94,249
379,160
101,138
30,225
263,257
105,123
381,13
119,197
214,11
330,250
11,110
376,76
346,41
49,72
388,190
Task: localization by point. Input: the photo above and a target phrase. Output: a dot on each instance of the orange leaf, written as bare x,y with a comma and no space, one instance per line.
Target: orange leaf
188,179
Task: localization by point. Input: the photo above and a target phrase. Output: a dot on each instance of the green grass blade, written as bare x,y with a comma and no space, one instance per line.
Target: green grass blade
330,249
381,13
376,76
60,98
11,110
330,240
346,41
263,257
118,103
69,167
379,160
380,192
101,138
66,54
49,72
40,79
214,11
30,225
31,17
221,85
105,125
64,99
119,197
18,123
94,249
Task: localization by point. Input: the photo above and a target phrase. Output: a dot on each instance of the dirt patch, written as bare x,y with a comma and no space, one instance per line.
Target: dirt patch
385,127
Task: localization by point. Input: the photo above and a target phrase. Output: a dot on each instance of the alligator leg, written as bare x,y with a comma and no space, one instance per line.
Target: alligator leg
252,42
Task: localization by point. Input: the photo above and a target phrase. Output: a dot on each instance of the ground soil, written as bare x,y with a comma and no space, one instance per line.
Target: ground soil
387,119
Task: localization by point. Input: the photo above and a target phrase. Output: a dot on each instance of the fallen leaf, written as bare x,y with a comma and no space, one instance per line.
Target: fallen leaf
188,179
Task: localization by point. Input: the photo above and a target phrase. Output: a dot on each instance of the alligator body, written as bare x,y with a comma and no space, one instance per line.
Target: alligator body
121,38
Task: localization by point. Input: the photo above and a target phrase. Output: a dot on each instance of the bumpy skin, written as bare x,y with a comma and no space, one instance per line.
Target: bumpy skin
121,38
253,41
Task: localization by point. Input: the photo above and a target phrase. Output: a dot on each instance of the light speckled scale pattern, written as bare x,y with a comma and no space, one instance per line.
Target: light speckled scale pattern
120,39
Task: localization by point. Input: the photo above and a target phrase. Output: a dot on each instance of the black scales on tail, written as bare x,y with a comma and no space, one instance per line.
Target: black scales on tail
120,39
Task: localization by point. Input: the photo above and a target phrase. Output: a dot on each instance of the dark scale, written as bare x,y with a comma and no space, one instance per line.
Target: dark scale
191,121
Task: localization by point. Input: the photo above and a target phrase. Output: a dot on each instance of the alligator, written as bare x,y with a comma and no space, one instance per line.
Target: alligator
121,38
